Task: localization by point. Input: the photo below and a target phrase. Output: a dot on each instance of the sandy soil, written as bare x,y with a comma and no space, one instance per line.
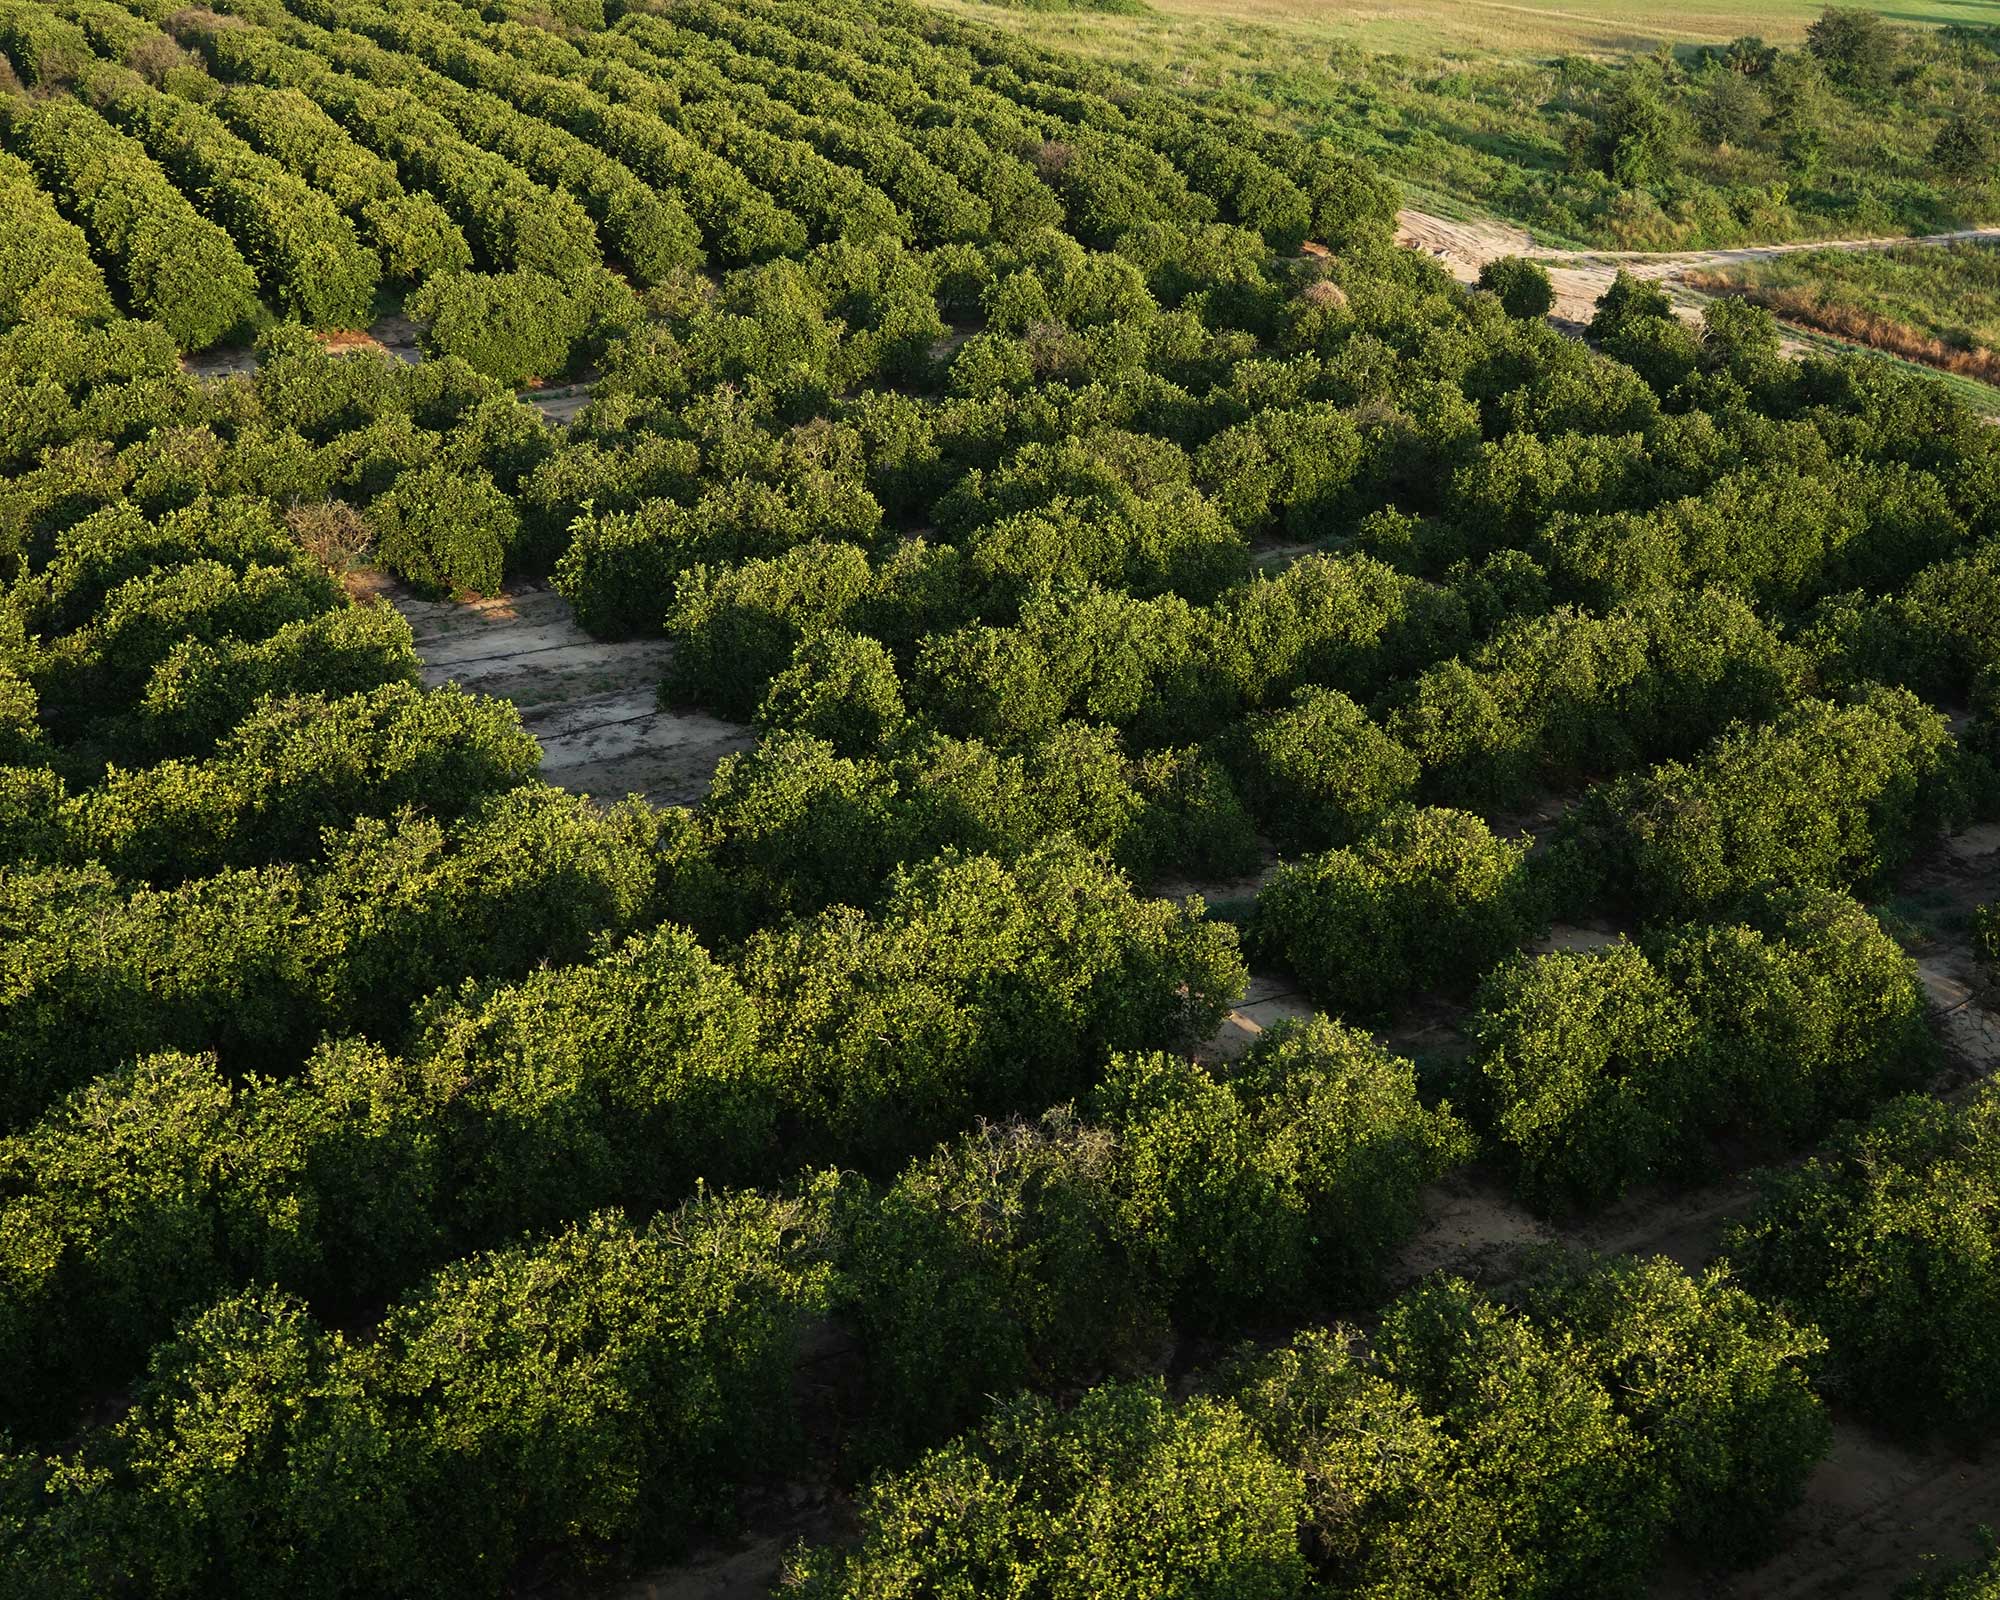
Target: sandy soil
1873,1512
593,705
1580,277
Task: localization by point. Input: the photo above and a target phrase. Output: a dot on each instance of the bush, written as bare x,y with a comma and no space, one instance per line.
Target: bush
300,765
1429,898
1321,773
1602,1071
445,532
472,1426
1830,795
977,987
736,628
841,687
1125,1494
1588,1067
1888,1242
1522,287
516,326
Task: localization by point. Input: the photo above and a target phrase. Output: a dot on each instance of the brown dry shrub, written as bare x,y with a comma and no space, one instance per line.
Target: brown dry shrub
153,58
332,533
1324,293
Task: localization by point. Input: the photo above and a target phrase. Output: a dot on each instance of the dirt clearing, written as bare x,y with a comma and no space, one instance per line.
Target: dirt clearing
592,704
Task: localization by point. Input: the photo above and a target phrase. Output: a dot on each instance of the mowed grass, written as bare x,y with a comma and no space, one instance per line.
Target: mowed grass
1454,28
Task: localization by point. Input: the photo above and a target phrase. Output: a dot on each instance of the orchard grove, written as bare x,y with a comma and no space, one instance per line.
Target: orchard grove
417,1179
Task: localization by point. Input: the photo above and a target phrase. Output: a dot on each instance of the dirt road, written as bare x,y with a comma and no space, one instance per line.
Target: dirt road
1581,276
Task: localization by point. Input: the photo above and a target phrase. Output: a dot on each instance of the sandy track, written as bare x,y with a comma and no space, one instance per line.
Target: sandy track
592,705
1580,277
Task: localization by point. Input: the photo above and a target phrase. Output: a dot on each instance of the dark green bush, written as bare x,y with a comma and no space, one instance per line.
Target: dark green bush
1429,898
1605,1070
1834,795
1126,1494
471,1427
977,987
1320,773
445,532
1522,287
1887,1241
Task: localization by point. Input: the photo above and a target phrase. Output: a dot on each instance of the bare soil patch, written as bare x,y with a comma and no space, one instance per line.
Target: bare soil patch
1873,1512
592,704
1580,277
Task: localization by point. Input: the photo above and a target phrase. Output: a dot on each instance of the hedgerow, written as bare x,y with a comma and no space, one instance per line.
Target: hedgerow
170,264
1429,898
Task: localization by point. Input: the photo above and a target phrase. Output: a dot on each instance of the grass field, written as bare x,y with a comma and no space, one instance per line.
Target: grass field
1939,306
1460,28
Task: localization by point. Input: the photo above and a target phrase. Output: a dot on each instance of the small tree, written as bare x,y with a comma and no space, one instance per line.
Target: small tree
1858,48
1965,148
1523,287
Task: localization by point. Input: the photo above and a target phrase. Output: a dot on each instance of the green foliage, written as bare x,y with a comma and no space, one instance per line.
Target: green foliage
1430,898
170,264
1320,773
1557,696
1857,46
299,765
1886,1241
1605,1070
483,1410
977,986
1522,287
1973,1580
841,687
1828,794
445,532
1125,1494
1041,1253
520,325
45,266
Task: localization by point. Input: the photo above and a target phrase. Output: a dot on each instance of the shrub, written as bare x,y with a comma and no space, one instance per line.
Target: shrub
299,765
1602,1071
1125,1494
736,628
1321,773
445,532
1522,287
841,687
516,326
1588,1067
473,1424
1828,794
1291,1178
1888,1242
977,987
1429,898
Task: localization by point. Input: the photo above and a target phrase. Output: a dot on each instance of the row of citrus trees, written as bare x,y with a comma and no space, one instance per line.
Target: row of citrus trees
472,1170
348,146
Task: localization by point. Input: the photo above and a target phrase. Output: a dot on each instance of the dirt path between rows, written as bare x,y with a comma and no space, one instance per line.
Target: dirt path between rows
1580,277
593,704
